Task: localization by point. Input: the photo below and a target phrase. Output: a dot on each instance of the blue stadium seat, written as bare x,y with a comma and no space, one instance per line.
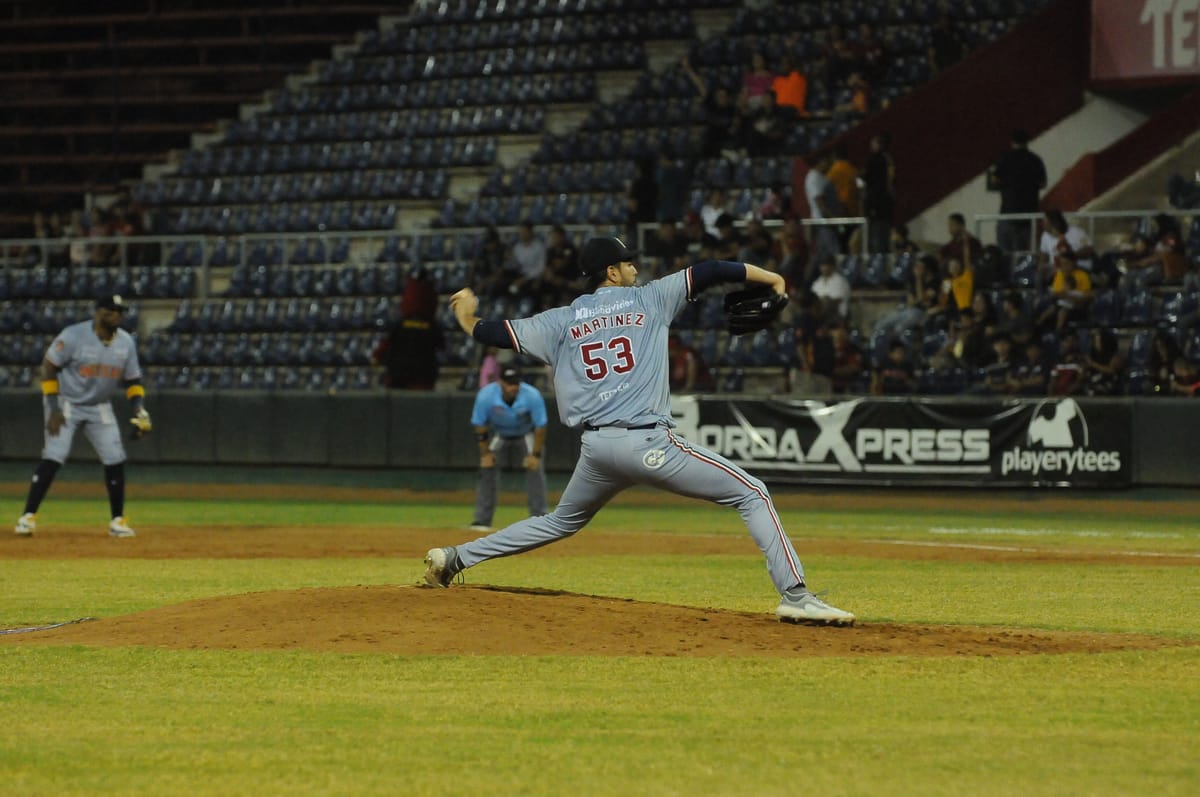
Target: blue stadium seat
1137,309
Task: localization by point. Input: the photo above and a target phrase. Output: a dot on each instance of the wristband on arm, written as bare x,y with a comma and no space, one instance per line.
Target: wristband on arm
136,395
50,393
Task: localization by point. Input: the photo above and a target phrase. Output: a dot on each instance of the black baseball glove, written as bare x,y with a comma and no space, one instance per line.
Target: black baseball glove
752,309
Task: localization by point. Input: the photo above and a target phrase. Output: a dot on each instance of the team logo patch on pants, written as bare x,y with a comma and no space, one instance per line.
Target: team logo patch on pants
654,459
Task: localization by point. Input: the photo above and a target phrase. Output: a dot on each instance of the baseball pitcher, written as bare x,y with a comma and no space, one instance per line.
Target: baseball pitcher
608,350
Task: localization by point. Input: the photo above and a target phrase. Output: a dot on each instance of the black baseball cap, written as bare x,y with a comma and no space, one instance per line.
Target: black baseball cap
112,302
510,375
602,252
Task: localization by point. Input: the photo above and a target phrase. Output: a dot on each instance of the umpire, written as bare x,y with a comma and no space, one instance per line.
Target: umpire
510,421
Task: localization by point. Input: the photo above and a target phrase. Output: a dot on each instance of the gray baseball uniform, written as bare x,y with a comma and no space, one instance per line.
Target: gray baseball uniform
91,373
609,354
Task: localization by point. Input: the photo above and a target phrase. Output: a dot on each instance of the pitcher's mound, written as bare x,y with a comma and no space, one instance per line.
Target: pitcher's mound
512,621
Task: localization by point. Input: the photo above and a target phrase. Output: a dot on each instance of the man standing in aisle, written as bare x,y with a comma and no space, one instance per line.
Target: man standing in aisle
83,368
509,419
1019,176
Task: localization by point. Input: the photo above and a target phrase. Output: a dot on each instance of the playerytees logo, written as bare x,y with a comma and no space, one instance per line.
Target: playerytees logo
1058,444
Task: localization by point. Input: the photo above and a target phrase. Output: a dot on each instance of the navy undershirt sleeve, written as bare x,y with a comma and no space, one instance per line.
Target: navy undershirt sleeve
716,272
492,333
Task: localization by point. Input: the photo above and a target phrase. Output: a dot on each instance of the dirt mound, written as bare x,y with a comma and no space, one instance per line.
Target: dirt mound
486,620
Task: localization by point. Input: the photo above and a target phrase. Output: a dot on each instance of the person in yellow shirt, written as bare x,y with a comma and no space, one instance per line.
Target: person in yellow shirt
1071,289
844,176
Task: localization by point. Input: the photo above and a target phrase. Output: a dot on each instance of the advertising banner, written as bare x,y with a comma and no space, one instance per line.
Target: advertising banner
1145,40
1061,441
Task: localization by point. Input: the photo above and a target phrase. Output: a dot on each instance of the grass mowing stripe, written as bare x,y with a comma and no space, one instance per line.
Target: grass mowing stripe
213,722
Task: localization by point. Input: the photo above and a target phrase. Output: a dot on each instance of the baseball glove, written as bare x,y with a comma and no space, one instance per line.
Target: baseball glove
752,309
141,424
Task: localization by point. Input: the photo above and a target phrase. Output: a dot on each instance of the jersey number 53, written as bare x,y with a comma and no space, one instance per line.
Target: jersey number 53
596,359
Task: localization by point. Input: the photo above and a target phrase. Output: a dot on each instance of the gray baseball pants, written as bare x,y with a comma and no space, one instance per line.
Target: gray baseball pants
613,459
97,421
510,453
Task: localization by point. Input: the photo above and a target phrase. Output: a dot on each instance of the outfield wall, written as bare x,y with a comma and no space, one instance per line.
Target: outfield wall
886,441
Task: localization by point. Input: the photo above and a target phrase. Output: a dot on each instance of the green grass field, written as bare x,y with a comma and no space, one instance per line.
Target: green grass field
146,721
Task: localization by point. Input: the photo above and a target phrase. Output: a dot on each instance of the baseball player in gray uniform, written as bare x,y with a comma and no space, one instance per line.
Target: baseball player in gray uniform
84,367
609,353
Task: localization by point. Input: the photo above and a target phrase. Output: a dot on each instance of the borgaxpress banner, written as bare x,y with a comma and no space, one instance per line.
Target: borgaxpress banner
1061,441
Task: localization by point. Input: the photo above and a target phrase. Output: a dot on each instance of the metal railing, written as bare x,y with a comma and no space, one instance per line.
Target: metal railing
1105,222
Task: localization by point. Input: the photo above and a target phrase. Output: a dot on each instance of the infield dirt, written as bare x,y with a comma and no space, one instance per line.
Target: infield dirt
480,619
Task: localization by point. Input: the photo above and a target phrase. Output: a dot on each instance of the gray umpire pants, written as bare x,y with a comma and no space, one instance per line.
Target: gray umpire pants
510,453
613,459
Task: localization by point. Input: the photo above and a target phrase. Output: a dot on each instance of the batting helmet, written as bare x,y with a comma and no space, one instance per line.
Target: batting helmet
601,252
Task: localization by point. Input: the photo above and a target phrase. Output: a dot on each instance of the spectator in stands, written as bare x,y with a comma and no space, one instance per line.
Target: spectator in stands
844,176
790,86
767,126
759,246
859,103
642,195
722,122
57,250
920,298
956,292
756,82
529,255
1165,262
1058,232
900,242
1104,364
793,251
962,245
966,347
714,207
489,366
777,202
696,235
409,351
985,314
879,199
687,369
729,240
870,54
946,48
561,276
833,289
1013,320
673,185
1163,353
1019,175
490,269
1067,375
1071,291
668,246
822,204
847,361
895,375
1031,376
999,374
1187,379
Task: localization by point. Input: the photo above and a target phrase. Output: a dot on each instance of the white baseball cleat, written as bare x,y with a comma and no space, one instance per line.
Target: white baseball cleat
801,606
480,527
119,528
26,525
